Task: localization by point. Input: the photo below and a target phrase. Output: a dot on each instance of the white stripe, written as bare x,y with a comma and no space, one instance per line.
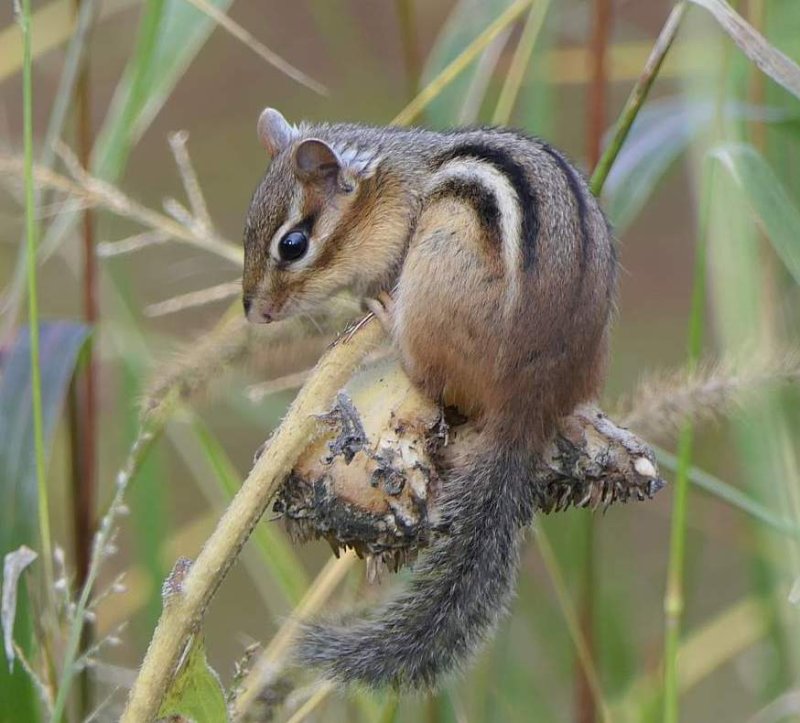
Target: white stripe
474,170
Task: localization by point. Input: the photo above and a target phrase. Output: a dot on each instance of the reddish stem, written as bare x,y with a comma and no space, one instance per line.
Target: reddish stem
86,483
601,30
586,710
84,429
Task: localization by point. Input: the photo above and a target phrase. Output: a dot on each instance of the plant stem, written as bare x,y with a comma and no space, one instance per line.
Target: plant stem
45,539
86,484
10,305
138,451
389,712
212,564
84,469
461,62
673,597
637,96
586,711
520,62
408,34
601,30
573,624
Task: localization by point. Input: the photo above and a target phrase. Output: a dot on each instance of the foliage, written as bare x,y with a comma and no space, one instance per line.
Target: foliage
723,116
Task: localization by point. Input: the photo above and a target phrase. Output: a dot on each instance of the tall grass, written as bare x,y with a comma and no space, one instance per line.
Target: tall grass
720,621
673,598
45,536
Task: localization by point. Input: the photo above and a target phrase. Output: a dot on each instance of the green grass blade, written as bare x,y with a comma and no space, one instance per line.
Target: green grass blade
520,62
60,345
462,27
45,541
661,134
453,71
55,126
777,213
673,597
731,495
782,69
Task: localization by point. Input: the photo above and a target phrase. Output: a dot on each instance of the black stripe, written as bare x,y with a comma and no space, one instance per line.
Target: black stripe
576,187
482,201
517,177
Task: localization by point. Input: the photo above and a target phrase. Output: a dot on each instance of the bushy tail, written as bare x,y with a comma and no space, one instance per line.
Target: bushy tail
458,592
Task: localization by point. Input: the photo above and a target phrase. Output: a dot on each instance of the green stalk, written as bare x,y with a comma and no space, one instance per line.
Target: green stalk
673,597
389,712
45,540
637,97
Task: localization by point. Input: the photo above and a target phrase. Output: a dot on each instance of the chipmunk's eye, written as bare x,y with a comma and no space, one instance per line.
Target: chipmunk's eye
293,245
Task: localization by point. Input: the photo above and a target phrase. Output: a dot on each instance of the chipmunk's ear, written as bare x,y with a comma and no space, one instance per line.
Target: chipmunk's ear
316,161
274,131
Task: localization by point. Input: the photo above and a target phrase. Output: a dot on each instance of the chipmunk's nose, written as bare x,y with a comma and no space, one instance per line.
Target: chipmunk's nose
258,311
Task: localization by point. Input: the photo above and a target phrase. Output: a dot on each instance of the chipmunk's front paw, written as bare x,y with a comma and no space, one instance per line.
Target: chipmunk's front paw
383,308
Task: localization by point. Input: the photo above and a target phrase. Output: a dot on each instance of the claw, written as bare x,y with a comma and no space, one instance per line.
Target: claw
383,308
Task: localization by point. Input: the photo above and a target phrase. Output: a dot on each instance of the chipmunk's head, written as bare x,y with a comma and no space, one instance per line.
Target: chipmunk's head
310,229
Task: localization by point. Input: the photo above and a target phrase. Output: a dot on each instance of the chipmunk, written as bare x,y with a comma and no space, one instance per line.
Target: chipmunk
502,272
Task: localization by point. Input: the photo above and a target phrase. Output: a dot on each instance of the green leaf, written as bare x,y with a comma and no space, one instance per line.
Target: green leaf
778,66
661,133
466,22
59,345
775,210
196,693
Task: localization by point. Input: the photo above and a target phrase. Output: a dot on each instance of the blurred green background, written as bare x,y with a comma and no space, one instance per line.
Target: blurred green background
160,66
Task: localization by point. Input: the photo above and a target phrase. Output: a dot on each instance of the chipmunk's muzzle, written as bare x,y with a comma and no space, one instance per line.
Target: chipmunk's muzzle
260,311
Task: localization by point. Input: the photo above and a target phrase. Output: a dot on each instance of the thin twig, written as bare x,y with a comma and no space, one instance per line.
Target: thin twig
102,538
132,243
484,69
84,469
243,35
193,299
93,191
257,392
268,665
191,184
586,709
